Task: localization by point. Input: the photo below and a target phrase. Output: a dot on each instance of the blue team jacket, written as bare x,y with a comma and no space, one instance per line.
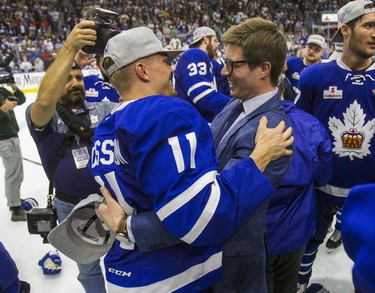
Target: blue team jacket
291,214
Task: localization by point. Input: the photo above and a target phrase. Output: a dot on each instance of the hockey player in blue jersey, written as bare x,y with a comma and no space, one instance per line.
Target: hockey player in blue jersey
194,76
341,94
313,54
155,152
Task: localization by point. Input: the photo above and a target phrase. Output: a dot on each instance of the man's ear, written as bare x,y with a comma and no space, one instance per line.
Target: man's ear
345,30
206,40
265,69
141,71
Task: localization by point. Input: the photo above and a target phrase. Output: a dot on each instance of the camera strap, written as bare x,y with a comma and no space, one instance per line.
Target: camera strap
78,124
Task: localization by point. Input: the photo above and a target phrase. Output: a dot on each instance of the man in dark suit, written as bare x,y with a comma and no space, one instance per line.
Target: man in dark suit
255,55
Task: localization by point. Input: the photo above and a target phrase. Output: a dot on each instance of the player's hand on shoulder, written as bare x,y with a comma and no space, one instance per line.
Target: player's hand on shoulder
271,143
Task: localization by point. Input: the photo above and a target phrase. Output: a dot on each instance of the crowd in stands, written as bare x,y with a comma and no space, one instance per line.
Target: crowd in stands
35,30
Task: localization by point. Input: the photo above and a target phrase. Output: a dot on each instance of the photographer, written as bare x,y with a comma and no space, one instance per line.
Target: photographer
63,87
10,150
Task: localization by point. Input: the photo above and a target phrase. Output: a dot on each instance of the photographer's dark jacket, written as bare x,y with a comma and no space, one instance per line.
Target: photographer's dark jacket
8,123
68,180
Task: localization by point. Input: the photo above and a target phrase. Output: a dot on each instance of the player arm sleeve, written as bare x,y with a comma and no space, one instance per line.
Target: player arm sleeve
200,86
324,156
305,93
149,232
198,200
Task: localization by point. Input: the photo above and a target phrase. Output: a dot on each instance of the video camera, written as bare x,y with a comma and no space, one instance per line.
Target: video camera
42,220
5,70
103,29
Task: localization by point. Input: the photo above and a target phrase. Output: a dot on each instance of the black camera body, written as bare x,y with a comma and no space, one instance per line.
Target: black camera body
41,221
103,29
6,76
5,70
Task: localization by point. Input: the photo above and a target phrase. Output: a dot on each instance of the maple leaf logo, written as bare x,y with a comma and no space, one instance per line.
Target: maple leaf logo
352,136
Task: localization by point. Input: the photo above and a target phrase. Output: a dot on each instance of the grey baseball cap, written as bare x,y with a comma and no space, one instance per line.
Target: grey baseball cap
349,12
317,40
82,236
132,45
201,32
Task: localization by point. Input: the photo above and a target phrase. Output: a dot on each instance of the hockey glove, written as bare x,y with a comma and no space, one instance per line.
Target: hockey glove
51,263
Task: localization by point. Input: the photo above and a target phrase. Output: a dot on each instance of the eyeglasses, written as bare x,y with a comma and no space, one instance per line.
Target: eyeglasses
232,64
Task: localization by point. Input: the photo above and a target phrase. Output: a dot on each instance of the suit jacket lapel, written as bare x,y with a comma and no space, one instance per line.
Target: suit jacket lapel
274,102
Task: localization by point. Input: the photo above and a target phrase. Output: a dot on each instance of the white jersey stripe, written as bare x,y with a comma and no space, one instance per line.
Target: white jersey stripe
206,215
202,95
111,177
197,85
176,282
186,196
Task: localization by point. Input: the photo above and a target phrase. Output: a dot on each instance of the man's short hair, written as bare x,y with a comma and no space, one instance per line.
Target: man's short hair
261,41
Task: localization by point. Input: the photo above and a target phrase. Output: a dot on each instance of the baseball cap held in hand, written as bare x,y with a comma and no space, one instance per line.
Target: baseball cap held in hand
132,45
82,236
351,11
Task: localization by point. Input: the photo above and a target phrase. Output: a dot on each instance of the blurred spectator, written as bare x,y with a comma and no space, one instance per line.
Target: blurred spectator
176,19
26,65
38,65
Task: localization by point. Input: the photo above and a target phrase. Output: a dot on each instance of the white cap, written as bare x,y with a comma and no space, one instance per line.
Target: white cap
201,32
351,11
317,40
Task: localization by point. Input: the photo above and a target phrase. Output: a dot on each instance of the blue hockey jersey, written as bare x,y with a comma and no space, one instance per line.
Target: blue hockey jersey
194,81
295,67
156,153
97,89
344,101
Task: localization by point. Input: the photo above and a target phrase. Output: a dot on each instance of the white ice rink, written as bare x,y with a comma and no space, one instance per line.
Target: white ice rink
333,270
